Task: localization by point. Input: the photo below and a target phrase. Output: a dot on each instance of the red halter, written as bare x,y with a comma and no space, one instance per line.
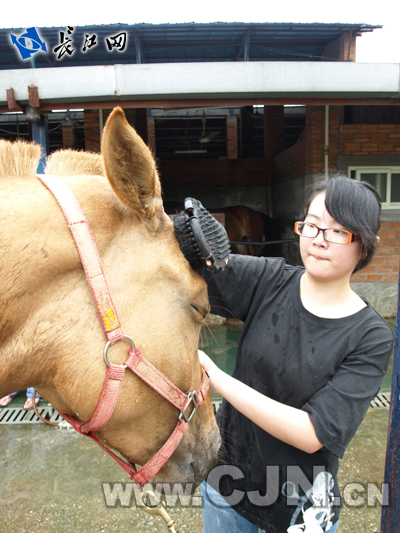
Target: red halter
90,258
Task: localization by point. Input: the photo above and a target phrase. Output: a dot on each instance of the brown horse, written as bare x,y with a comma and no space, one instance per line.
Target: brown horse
245,225
51,337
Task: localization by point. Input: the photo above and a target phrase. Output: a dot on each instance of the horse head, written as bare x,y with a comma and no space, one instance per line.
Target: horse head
51,337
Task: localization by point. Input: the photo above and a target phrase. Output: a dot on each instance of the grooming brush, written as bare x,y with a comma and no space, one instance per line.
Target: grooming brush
203,240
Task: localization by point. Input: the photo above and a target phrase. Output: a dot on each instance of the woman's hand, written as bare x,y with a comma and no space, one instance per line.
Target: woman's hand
215,375
286,423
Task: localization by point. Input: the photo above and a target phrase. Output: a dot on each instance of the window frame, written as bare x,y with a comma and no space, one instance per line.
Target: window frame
375,170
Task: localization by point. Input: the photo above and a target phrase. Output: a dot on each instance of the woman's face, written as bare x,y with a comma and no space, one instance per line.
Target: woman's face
325,260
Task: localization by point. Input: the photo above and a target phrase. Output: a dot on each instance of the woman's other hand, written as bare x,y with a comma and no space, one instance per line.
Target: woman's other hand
213,372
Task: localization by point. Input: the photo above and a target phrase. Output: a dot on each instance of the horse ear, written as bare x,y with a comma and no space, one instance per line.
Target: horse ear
130,166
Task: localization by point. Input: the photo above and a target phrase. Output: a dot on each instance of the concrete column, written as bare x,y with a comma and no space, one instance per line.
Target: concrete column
232,137
40,135
92,130
315,149
247,130
274,130
151,134
68,134
274,135
334,136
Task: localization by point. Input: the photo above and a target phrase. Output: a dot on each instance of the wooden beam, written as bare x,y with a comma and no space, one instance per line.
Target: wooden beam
214,102
218,102
13,105
33,92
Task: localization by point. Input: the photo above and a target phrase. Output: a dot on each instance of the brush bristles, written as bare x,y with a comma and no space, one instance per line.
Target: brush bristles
213,232
187,242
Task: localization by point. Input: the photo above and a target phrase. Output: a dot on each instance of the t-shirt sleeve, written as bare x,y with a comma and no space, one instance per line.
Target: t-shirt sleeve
231,292
339,407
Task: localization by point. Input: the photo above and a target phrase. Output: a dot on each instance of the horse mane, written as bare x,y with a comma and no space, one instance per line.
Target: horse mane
75,163
19,158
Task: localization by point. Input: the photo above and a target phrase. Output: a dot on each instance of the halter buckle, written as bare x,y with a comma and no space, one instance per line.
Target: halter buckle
191,398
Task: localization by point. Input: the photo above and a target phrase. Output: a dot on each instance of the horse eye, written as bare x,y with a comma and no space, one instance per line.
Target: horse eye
201,312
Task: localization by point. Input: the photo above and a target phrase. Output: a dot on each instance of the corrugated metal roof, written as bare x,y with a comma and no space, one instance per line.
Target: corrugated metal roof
176,43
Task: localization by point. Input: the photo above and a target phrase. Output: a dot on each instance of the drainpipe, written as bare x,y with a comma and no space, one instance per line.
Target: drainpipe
101,123
326,149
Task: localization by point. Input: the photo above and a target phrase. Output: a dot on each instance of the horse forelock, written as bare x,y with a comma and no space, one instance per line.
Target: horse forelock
18,159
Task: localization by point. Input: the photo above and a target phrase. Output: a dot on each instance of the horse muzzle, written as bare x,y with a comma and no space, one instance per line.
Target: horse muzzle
193,459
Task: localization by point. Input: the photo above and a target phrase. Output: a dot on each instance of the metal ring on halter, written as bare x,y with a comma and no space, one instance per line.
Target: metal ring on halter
108,345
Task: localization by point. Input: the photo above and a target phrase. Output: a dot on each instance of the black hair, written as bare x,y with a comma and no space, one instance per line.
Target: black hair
356,206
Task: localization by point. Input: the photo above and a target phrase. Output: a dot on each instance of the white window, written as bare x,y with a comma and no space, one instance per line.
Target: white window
385,179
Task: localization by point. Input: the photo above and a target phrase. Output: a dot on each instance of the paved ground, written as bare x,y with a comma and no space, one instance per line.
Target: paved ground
51,481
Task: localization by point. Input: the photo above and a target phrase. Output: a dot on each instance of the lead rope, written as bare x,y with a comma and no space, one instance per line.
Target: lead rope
158,508
38,414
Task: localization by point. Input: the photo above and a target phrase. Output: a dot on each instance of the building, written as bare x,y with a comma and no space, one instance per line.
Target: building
236,113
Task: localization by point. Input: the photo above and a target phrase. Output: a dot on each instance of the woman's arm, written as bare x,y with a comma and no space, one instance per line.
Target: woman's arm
288,424
242,271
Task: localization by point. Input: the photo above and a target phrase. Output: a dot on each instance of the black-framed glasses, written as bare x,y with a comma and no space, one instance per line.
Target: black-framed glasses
336,236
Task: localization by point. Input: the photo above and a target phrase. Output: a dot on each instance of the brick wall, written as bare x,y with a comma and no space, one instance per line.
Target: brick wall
385,265
307,155
343,48
291,163
373,139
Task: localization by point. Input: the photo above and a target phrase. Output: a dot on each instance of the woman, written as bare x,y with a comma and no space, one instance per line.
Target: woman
310,358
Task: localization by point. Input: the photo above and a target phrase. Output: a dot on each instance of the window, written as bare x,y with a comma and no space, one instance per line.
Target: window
385,179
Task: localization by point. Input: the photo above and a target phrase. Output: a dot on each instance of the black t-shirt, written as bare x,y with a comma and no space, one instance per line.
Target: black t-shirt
330,368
